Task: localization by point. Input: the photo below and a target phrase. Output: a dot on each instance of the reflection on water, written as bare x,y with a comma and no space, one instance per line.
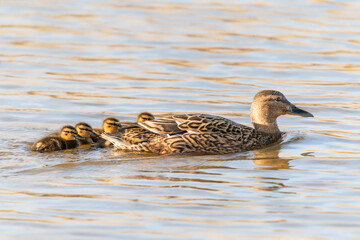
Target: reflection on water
68,61
270,158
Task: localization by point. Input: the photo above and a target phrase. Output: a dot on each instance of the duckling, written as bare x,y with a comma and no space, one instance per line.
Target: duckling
142,117
133,132
110,125
65,139
86,131
145,116
211,134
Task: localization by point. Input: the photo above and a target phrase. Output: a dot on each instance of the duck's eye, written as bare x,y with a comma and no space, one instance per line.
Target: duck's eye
278,99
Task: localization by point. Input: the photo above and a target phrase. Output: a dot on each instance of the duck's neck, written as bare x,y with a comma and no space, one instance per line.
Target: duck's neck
267,128
264,123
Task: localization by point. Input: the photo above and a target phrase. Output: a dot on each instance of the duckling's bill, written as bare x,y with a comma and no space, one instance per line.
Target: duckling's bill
78,136
94,134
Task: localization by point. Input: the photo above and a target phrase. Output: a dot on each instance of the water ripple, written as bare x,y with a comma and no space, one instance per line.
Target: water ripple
68,61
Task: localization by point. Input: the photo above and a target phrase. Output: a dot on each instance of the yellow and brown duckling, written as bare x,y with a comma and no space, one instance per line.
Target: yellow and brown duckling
142,117
65,139
211,134
133,132
145,116
110,125
86,131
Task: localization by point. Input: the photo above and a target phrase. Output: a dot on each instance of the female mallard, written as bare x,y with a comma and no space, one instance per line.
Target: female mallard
65,139
203,133
110,125
86,131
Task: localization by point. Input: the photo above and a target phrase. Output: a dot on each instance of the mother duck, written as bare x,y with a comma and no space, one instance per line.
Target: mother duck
204,133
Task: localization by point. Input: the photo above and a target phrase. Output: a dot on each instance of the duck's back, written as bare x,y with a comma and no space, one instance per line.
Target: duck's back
214,134
194,133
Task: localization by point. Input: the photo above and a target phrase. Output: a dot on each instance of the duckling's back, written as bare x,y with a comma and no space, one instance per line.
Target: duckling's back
53,143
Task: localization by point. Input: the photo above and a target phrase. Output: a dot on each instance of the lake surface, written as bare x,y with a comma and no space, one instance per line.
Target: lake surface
62,62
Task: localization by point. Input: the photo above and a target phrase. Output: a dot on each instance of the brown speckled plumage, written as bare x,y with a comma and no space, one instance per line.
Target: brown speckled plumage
203,133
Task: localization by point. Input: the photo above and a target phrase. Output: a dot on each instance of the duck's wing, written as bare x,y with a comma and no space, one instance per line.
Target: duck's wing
193,123
206,123
161,126
114,139
118,142
127,125
153,144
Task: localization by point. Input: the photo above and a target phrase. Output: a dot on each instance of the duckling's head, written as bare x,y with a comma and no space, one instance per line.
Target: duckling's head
111,125
84,129
270,104
145,116
68,133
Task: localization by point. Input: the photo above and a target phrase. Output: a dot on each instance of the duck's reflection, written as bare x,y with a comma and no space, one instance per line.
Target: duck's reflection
268,158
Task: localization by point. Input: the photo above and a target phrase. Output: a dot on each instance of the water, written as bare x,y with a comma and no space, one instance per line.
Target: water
62,62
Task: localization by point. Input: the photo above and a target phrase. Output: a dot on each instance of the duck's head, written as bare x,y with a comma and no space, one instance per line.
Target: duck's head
111,125
69,133
270,104
84,130
145,116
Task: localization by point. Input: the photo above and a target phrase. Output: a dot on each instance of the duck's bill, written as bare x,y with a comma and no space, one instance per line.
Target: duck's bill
298,111
80,137
117,124
95,134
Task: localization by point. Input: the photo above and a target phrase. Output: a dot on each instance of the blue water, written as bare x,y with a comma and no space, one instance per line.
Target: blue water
62,62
